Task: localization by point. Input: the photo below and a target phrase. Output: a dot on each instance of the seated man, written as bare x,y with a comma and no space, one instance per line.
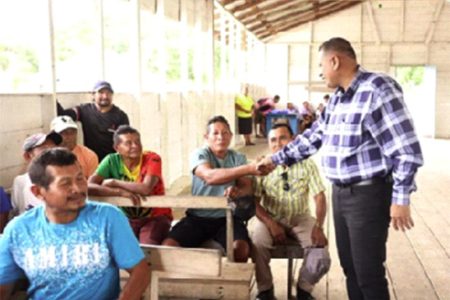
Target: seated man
217,171
285,212
22,198
133,173
69,248
68,129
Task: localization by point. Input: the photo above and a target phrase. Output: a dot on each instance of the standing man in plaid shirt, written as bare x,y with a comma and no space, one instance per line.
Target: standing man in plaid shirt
370,152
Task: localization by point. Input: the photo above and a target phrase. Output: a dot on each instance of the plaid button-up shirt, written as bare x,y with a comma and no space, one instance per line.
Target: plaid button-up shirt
364,132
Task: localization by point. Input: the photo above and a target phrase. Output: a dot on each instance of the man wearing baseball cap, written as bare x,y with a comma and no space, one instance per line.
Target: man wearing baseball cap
22,198
99,118
68,129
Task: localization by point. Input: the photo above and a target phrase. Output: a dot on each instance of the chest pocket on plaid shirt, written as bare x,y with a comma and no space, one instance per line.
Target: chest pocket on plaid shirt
350,130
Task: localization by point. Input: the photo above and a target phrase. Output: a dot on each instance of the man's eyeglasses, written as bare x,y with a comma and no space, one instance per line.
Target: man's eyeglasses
286,186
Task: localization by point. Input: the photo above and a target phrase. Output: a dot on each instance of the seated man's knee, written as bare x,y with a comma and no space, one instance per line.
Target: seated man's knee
241,250
261,240
170,242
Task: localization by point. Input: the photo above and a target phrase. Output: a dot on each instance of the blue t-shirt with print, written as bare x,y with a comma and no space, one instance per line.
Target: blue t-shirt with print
79,260
201,188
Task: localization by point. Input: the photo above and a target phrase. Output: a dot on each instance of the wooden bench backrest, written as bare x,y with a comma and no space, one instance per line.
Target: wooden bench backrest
183,202
189,261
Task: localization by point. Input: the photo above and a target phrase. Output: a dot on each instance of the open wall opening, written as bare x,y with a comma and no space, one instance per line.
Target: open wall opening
419,87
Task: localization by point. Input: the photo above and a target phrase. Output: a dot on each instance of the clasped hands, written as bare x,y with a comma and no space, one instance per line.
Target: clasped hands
264,165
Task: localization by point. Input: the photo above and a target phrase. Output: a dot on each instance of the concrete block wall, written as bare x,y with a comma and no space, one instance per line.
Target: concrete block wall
20,116
403,28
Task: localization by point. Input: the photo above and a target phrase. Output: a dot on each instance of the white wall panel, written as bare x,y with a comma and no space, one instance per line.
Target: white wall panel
339,24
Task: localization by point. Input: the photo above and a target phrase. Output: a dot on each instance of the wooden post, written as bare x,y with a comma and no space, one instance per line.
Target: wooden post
230,237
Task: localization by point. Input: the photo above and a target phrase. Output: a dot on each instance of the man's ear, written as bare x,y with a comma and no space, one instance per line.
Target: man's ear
26,155
335,62
37,191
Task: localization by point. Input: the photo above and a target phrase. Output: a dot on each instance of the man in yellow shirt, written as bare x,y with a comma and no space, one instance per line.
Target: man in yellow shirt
244,111
284,211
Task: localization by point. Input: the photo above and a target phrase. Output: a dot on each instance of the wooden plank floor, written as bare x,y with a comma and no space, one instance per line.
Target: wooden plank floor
418,262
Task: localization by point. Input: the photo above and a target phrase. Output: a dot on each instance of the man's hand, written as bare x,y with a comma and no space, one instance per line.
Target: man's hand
401,217
318,238
109,183
134,197
265,165
277,232
231,192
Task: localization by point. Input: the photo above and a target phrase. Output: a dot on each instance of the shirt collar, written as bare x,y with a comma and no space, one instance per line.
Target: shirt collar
353,85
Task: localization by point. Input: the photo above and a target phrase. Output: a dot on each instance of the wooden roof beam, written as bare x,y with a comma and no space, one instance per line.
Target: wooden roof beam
296,15
321,14
272,8
436,15
373,21
226,2
248,4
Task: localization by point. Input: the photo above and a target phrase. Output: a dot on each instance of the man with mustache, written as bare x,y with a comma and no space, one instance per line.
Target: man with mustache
99,119
70,248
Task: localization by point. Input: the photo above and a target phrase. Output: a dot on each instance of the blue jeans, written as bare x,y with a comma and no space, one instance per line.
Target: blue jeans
361,219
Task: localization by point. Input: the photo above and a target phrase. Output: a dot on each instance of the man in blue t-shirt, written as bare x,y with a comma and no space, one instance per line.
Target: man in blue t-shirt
217,171
69,248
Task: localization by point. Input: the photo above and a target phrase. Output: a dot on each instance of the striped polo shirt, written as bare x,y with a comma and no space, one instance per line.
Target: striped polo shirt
287,196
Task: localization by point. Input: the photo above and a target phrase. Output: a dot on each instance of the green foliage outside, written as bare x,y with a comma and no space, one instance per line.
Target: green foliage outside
410,75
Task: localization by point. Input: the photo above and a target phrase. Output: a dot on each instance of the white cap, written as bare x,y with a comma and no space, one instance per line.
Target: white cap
62,123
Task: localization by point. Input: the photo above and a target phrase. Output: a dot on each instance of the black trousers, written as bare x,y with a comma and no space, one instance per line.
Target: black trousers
361,219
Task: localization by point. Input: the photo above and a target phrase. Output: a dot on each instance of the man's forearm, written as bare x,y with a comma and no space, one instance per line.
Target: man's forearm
137,283
262,214
6,291
95,189
321,208
224,175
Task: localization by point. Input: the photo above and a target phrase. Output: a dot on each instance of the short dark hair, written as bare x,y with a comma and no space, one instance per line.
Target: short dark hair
50,157
327,96
340,45
276,97
217,119
123,129
280,125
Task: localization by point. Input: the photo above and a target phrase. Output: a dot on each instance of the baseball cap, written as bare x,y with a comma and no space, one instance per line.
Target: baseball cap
61,123
103,85
38,139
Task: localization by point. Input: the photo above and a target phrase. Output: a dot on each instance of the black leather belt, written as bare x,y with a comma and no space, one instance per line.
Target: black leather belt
387,179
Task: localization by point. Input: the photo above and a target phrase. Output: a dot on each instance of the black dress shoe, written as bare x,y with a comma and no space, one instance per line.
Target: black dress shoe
304,295
266,295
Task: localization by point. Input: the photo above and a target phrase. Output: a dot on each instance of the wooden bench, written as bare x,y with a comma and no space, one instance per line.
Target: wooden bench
193,272
290,250
201,273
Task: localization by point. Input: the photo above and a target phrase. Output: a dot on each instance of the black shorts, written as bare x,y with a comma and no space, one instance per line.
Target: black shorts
245,125
259,117
192,231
